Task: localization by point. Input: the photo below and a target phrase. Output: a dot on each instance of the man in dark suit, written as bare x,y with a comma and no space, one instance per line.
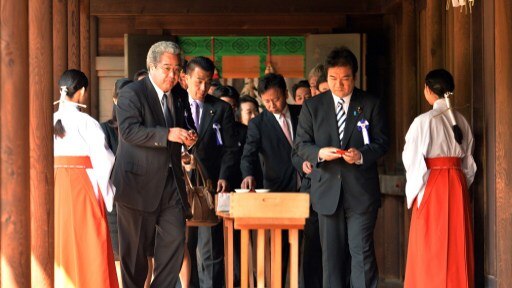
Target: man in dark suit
269,140
344,188
150,191
215,150
270,137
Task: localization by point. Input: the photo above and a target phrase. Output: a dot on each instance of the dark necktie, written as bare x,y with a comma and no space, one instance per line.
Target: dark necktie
167,112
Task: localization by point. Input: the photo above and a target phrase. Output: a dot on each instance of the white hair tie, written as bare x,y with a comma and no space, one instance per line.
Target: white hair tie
62,99
447,96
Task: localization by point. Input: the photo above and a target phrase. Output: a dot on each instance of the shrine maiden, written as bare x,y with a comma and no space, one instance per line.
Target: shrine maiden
83,252
439,167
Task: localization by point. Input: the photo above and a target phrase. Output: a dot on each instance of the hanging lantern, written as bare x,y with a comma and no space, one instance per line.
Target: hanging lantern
212,51
268,67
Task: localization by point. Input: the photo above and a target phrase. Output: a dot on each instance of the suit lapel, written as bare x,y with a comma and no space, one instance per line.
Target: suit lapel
294,115
154,103
352,116
206,117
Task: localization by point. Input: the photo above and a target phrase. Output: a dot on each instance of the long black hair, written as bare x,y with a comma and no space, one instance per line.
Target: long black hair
72,80
442,84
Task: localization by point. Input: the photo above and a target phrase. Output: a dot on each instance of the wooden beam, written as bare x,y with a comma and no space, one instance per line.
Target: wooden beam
221,7
14,147
200,21
41,140
245,32
60,42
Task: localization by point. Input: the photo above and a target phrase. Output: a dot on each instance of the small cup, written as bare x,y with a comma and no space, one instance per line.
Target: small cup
262,190
242,190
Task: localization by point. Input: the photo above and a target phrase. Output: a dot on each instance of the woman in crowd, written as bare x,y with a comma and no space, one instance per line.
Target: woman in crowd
439,163
83,161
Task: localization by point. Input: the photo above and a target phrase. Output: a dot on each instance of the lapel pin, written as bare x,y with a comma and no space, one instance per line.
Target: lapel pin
358,111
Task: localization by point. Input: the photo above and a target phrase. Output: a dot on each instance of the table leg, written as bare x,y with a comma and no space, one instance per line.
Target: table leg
276,258
229,254
294,257
261,258
244,258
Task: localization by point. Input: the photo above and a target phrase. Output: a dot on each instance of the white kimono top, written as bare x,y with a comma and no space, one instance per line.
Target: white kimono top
84,137
430,136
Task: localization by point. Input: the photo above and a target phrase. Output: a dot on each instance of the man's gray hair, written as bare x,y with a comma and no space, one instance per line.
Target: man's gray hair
158,49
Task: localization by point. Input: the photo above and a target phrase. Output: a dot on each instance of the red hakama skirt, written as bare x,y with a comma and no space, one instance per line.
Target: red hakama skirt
83,251
440,252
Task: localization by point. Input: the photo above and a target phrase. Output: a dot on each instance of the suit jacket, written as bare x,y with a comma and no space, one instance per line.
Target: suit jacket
217,158
144,153
318,128
266,139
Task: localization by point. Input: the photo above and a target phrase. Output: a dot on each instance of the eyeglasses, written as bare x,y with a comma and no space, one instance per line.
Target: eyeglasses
167,69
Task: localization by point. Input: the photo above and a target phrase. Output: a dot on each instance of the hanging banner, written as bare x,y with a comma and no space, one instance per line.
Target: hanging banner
287,52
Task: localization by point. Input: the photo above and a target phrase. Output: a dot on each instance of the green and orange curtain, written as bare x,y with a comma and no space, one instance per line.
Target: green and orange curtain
246,57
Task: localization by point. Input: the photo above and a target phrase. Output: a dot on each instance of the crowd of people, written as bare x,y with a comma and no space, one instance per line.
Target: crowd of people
327,144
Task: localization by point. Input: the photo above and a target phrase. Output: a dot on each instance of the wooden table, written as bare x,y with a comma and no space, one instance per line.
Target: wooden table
267,211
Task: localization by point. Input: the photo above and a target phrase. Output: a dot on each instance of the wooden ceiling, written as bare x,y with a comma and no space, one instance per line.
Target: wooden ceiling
249,17
260,7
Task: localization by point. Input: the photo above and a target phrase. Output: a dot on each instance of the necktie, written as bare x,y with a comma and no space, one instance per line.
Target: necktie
195,113
286,128
167,113
340,117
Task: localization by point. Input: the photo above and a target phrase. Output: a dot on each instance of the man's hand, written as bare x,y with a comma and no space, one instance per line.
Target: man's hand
191,140
248,183
352,156
307,167
222,186
328,154
179,135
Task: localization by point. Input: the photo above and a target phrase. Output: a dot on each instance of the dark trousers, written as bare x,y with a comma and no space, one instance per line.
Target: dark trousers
136,235
208,245
348,253
311,256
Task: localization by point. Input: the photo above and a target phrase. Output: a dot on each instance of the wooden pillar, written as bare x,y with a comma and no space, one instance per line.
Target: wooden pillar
409,95
85,49
503,43
489,172
458,62
93,81
431,42
14,150
60,42
480,62
41,163
73,34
